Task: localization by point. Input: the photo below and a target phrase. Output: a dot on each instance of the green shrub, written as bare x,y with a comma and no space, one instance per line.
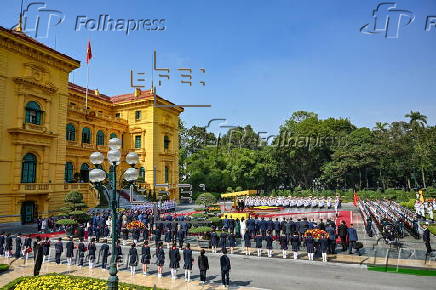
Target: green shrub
200,230
409,204
216,221
4,267
206,199
66,222
200,215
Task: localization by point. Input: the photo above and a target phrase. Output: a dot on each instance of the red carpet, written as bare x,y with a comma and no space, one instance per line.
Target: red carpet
50,235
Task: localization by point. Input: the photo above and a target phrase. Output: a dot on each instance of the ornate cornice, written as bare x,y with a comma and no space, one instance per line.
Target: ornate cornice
31,50
48,88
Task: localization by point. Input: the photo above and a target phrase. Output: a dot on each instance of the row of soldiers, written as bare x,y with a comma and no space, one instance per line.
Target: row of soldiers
289,201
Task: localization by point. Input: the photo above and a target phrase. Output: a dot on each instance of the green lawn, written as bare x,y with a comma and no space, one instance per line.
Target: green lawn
409,271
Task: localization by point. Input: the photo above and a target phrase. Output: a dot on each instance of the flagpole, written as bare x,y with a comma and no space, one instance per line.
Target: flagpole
87,83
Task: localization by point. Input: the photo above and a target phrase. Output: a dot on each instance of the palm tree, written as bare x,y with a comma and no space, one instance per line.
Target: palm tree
380,126
416,118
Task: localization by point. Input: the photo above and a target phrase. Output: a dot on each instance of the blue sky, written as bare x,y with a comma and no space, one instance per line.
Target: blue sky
263,59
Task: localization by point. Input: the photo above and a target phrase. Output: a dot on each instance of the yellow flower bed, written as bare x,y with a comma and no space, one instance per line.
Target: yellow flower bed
65,282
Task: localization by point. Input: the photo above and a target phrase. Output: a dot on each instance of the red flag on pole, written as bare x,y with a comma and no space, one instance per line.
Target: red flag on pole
88,52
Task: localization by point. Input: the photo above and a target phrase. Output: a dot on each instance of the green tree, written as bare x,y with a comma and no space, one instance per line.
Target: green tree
74,207
206,199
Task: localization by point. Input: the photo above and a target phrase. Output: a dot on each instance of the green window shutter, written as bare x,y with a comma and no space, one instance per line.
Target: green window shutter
138,142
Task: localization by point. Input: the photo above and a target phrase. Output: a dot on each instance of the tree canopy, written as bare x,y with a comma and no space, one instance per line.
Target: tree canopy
332,151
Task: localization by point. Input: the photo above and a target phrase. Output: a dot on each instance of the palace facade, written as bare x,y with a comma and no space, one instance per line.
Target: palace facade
47,131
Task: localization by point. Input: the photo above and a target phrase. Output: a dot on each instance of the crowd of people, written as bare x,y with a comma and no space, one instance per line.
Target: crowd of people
290,201
393,220
425,207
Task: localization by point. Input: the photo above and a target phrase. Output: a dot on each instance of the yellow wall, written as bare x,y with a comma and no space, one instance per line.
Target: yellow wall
154,124
30,71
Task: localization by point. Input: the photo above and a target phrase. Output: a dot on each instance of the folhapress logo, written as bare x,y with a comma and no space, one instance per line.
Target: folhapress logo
388,20
37,19
106,23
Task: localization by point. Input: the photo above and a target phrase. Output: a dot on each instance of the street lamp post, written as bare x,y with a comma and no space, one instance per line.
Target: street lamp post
98,175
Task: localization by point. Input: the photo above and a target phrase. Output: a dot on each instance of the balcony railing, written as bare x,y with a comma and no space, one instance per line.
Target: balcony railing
71,186
35,186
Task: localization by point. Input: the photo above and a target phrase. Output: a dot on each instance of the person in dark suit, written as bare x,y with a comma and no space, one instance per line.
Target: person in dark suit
426,239
263,225
269,244
39,255
8,245
168,237
46,247
203,266
310,246
157,236
27,248
174,255
2,243
145,257
295,244
133,259
118,254
277,227
214,240
259,240
247,243
70,251
352,239
187,262
104,254
59,248
225,269
18,246
145,233
331,239
91,253
160,259
180,236
81,249
343,232
324,246
135,235
284,245
232,242
223,239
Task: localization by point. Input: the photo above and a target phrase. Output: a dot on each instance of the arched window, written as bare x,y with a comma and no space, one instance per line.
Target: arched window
33,113
100,138
141,174
84,173
86,135
68,172
166,142
167,174
113,135
71,132
28,169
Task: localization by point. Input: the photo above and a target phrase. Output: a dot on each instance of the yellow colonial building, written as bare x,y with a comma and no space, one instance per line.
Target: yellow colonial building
47,132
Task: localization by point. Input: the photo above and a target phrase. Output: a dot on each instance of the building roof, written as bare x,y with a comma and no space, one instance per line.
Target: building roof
143,95
91,93
28,39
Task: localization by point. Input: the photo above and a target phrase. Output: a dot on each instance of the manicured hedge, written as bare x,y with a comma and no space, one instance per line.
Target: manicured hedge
4,267
66,222
58,281
200,230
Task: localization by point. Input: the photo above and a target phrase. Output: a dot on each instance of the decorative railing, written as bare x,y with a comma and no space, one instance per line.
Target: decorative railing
35,186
